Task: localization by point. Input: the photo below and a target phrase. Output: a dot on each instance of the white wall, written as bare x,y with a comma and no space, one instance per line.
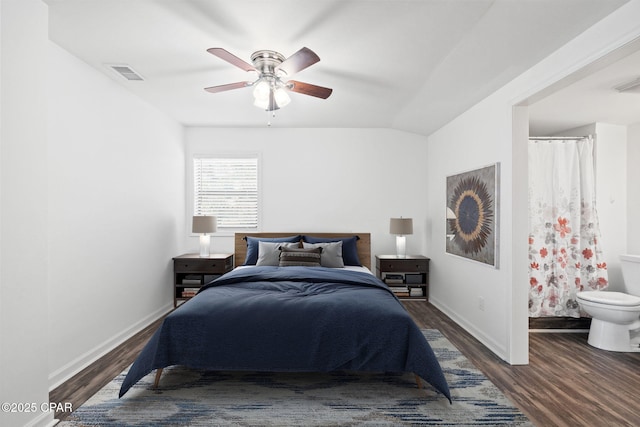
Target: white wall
116,205
633,194
92,195
350,180
23,211
486,134
480,137
611,195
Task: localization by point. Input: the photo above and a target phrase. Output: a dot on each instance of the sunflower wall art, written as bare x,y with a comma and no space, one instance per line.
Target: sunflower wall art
472,206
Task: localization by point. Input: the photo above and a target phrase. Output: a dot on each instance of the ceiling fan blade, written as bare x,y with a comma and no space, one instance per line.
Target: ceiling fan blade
309,89
300,60
231,58
230,86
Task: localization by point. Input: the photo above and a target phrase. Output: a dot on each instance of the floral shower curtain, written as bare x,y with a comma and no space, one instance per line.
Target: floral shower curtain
565,256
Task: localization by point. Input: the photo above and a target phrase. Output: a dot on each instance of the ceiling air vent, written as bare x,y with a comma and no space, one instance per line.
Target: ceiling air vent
632,86
126,71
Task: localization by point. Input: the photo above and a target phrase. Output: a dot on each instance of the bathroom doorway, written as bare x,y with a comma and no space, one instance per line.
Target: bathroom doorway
592,104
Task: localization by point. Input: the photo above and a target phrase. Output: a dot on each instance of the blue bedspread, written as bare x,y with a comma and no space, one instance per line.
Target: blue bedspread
291,319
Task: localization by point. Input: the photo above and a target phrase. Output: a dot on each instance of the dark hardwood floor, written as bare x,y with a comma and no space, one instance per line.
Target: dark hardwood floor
87,382
567,382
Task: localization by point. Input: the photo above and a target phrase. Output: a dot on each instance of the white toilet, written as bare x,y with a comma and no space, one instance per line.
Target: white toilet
615,315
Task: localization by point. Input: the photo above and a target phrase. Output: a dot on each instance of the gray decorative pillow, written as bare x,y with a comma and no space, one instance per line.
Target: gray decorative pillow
290,257
331,255
269,252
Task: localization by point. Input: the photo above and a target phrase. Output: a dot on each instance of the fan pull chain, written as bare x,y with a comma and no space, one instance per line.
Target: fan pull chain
273,115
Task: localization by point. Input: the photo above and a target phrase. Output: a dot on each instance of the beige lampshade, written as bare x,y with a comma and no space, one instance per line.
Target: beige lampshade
204,224
401,226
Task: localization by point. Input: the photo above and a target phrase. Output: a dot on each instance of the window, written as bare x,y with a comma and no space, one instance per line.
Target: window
227,187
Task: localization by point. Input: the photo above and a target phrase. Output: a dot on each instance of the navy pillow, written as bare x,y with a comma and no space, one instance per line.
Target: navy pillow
349,250
252,246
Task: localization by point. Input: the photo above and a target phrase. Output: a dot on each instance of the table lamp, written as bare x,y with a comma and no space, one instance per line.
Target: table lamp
204,225
401,227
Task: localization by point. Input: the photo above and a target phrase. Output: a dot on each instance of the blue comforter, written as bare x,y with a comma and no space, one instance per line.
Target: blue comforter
291,319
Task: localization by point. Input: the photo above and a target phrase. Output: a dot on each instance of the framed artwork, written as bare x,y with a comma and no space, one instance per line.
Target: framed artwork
472,207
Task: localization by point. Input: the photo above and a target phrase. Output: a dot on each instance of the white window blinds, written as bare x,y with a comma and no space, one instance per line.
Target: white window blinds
228,189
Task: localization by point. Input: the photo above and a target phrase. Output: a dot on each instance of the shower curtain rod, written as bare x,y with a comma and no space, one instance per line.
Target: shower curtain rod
544,138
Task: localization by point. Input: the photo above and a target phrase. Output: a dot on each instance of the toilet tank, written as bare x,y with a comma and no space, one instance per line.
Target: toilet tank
631,273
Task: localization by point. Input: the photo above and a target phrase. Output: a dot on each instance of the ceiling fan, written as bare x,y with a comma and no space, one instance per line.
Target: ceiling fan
271,86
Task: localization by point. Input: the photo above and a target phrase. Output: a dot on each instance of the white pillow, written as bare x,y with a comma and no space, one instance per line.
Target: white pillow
269,252
331,255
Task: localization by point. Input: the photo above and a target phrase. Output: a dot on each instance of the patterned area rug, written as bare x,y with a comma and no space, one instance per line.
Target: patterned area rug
199,398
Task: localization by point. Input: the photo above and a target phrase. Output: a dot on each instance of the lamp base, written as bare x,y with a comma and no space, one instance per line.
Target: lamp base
401,247
205,243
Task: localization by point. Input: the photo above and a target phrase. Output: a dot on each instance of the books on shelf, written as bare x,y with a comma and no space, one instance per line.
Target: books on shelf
393,279
189,292
192,279
400,291
406,291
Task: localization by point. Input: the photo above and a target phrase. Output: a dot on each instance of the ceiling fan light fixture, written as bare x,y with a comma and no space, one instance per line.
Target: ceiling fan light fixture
263,104
282,97
261,91
270,92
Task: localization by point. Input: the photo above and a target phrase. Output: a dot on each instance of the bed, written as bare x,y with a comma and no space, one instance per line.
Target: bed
304,302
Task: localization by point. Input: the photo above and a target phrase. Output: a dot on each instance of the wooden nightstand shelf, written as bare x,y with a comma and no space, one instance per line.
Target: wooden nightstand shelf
407,276
191,272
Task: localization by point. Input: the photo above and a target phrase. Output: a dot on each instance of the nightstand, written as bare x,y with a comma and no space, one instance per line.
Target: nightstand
191,272
408,277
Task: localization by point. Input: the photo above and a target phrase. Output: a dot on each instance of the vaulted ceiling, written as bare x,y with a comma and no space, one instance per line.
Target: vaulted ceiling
406,64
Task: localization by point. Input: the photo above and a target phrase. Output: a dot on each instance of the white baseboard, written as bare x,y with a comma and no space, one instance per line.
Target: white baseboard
67,371
469,327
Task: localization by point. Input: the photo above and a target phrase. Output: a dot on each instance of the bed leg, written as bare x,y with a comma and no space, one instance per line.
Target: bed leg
418,381
158,374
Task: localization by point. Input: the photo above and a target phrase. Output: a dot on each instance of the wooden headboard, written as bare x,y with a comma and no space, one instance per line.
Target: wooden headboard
363,244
